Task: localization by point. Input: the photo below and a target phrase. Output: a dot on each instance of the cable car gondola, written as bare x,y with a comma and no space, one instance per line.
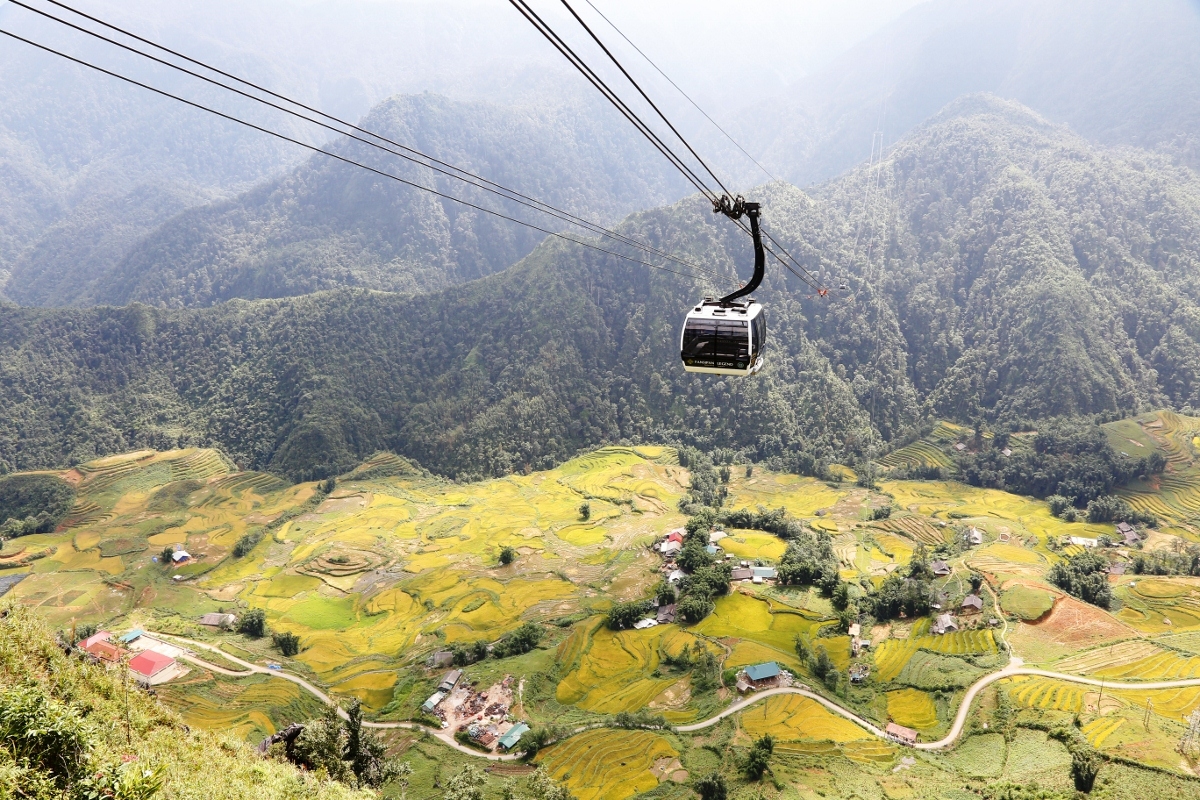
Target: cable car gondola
727,336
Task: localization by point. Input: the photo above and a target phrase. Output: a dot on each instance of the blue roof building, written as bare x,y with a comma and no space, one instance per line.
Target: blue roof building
513,736
766,573
762,672
712,549
132,636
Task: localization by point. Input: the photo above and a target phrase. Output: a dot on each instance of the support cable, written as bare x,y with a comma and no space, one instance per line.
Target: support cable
681,91
403,150
343,159
565,49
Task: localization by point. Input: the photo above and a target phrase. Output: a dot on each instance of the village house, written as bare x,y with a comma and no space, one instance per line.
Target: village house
514,734
215,620
1082,541
676,576
712,549
974,536
429,705
766,573
944,624
439,659
859,673
716,536
131,637
642,624
940,568
762,676
149,664
666,614
1127,532
449,680
670,548
180,557
901,734
972,604
741,574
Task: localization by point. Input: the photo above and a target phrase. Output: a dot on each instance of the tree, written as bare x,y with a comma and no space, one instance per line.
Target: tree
522,640
543,787
712,787
253,623
623,615
1085,766
322,745
976,582
585,511
694,607
287,642
465,653
802,650
758,760
664,593
507,555
821,665
466,785
841,596
328,485
167,556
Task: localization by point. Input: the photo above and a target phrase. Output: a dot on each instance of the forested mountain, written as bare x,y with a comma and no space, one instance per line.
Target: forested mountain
330,224
1004,269
1119,72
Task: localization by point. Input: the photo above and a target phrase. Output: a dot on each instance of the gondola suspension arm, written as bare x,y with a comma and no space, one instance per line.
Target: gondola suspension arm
734,209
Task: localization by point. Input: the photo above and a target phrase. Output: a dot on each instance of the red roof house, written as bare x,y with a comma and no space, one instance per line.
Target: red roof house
675,536
149,663
102,650
101,636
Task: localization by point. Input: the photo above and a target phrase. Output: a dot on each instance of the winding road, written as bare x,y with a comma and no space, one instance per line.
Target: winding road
1015,668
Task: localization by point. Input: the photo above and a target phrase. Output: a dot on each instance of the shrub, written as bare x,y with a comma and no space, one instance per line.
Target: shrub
507,555
465,654
585,511
883,512
167,556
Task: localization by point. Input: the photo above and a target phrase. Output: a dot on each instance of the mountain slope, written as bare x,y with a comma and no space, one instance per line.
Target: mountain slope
329,224
1005,270
1117,71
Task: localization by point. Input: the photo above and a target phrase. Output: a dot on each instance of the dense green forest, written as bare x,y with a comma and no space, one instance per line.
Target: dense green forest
1005,271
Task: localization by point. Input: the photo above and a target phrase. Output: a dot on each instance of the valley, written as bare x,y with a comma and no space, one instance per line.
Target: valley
388,565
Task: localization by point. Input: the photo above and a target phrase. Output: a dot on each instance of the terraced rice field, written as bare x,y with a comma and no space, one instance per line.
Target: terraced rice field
606,764
892,655
250,708
1046,693
918,454
1160,605
916,528
752,545
1101,728
912,708
790,717
613,672
801,497
767,633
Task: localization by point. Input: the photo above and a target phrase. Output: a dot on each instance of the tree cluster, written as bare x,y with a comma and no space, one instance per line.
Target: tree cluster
33,504
1084,576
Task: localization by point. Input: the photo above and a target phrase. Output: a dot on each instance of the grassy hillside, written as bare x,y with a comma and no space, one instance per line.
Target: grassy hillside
70,726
